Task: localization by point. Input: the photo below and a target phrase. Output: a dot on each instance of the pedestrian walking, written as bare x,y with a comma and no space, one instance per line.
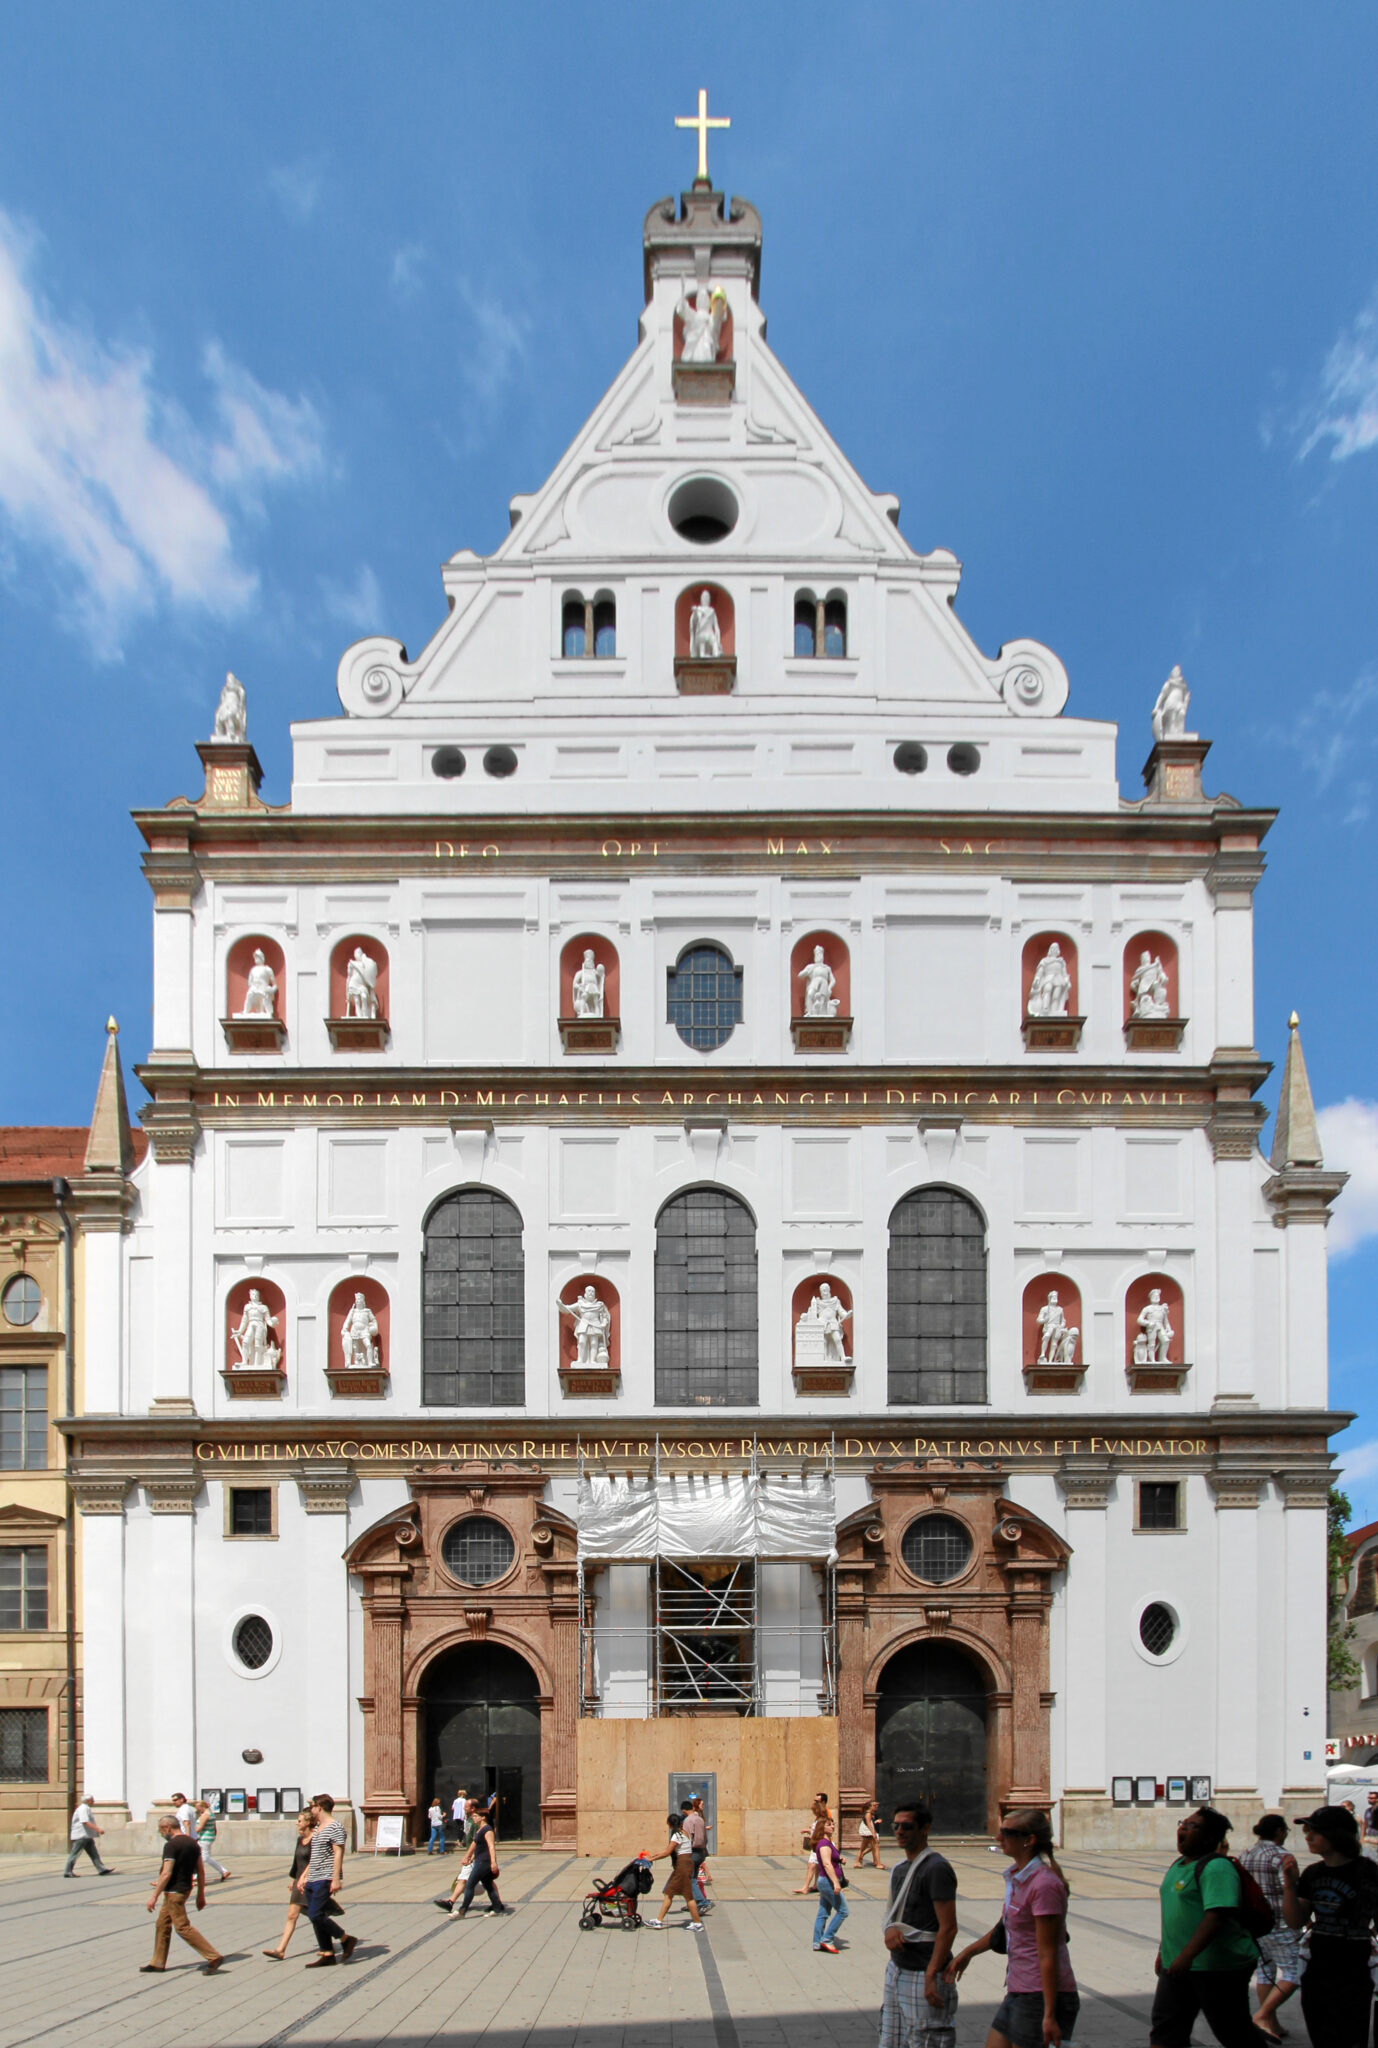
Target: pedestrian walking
205,1835
679,1884
832,1907
301,1856
696,1828
868,1835
919,2008
1368,1828
83,1835
324,1877
1336,1901
179,1874
481,1862
1206,1955
1279,1953
459,1807
436,1845
1041,2004
810,1834
184,1813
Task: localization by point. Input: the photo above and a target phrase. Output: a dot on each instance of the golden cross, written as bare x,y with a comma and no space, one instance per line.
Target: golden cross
703,123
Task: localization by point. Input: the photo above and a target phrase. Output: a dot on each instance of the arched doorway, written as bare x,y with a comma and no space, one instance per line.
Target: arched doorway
931,1736
482,1728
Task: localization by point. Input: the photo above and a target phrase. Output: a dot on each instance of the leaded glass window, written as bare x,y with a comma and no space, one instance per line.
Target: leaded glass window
705,997
473,1326
23,1745
477,1550
936,1548
937,1321
706,1316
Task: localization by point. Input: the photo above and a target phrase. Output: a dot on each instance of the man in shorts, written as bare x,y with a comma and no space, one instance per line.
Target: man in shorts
919,2008
1279,1953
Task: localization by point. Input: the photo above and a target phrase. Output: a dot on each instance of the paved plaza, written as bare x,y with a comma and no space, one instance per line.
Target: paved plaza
70,1956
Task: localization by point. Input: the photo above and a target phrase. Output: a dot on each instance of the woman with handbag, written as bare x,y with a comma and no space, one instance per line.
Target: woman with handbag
680,1883
832,1907
482,1866
1041,2003
301,1856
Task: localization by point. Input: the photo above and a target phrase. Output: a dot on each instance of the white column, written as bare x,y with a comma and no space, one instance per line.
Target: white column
1235,1373
172,1738
172,1024
1237,1625
1081,1687
1231,881
102,1310
1306,1361
101,1621
172,1278
325,1729
1302,1626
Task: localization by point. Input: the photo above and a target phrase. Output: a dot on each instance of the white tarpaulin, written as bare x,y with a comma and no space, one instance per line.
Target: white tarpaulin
713,1514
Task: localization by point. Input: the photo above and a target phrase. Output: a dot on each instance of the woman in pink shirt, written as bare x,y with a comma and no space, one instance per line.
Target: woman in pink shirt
1041,2004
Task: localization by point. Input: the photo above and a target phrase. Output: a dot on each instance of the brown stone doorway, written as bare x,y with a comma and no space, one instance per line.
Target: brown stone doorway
931,1736
481,1718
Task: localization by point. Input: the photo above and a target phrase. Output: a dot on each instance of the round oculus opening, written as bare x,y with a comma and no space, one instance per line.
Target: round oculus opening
911,758
253,1642
964,759
500,761
477,1550
703,510
936,1548
21,1301
1157,1628
448,763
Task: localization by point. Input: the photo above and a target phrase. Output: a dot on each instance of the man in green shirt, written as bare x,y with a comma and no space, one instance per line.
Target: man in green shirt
1206,1955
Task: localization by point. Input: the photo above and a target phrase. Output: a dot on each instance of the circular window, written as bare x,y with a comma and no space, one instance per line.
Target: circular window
500,761
936,1548
911,758
963,759
477,1551
703,511
448,763
1157,1628
253,1642
22,1301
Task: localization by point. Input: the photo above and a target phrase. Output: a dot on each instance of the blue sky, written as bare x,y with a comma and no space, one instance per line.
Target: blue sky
292,299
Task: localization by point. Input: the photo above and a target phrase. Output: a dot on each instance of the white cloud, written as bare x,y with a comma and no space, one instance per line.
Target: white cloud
405,276
108,477
1344,410
1329,729
1349,1140
497,343
297,187
358,605
1356,1462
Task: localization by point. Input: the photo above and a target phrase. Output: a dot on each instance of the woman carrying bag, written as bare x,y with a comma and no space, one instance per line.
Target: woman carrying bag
830,1899
1041,2004
679,1884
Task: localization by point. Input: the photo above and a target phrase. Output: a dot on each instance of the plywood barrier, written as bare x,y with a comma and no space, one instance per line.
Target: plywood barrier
767,1771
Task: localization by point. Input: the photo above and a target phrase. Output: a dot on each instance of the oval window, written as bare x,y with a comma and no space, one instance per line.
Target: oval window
911,758
963,759
253,1642
703,511
500,761
22,1301
936,1548
448,762
477,1550
1157,1628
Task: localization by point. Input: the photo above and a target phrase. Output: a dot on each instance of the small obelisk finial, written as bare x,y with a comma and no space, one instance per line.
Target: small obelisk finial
112,1027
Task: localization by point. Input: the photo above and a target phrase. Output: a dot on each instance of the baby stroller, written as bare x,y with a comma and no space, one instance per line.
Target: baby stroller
616,1899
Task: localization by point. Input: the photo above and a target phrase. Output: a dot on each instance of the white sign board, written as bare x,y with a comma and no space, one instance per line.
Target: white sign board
389,1832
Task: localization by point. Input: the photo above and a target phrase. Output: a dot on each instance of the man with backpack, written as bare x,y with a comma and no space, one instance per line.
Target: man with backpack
1212,1914
919,2007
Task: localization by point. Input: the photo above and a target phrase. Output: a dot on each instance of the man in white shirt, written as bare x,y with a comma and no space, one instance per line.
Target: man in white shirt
185,1814
458,1812
83,1838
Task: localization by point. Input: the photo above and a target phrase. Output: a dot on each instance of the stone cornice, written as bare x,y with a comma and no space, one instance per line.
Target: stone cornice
325,1488
1302,1194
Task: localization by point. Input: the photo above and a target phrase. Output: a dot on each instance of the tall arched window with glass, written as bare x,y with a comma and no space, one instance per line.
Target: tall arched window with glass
704,998
937,1307
473,1310
705,1301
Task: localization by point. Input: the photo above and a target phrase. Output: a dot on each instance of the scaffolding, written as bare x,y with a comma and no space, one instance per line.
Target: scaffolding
706,1640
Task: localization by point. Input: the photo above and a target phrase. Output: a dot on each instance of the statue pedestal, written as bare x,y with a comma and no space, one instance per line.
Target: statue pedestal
1156,1379
1154,1034
1053,1379
704,383
715,678
589,1034
232,776
1172,772
357,1034
254,1034
244,1385
820,1034
589,1382
1052,1034
356,1382
814,1371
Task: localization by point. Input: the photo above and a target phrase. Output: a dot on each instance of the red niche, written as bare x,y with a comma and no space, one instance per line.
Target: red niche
237,964
722,605
1034,951
571,959
804,1294
1068,1300
838,958
339,969
1158,946
237,1300
341,1302
1136,1300
724,354
607,1294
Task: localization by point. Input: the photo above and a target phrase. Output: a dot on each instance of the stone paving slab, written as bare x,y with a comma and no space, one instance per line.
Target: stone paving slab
70,1955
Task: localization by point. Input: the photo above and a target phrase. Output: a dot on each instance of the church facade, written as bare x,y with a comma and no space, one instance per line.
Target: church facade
705,1216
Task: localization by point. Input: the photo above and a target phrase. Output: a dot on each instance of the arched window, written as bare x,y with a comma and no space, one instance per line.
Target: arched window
805,621
472,1305
835,626
588,626
573,638
705,1285
604,626
704,999
937,1325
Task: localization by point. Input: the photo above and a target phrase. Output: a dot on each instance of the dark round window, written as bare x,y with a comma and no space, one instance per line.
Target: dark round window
963,759
703,511
1157,1628
448,762
477,1550
936,1548
911,758
22,1300
500,761
253,1642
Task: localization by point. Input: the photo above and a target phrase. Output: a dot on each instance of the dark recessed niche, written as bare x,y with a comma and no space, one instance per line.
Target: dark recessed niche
500,761
703,510
911,758
963,759
448,762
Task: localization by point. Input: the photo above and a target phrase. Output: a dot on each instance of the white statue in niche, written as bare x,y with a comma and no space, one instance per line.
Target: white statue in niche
587,989
1154,1339
254,1336
819,982
359,1336
1050,991
819,1329
361,986
702,318
592,1320
1053,1324
1170,710
705,639
1148,988
260,988
231,713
